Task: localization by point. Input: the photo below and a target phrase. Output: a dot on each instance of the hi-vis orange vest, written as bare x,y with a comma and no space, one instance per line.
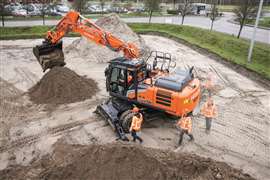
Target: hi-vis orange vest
209,84
185,123
136,123
209,111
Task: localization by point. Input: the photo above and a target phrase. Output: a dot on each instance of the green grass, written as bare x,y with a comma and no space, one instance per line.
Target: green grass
229,8
266,8
226,8
226,46
25,32
265,22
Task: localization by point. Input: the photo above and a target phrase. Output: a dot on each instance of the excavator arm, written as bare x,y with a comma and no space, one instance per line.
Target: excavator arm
50,53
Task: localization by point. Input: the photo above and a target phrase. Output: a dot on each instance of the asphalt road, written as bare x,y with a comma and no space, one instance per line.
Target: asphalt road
221,25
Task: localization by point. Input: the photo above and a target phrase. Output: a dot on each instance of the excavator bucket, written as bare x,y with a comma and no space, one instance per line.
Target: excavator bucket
49,55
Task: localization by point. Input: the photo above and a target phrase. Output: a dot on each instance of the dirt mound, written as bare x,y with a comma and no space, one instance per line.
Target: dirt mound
61,85
96,53
120,161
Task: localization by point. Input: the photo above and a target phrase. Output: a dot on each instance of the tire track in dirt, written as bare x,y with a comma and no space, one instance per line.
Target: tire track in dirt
27,75
51,131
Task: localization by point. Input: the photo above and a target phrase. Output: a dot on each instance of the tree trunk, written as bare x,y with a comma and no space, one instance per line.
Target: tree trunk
150,17
242,23
43,19
183,18
212,23
240,30
3,20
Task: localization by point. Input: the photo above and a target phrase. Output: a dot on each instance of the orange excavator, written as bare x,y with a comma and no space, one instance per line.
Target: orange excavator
148,84
50,53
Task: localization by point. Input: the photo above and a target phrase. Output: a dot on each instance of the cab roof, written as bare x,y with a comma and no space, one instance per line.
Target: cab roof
128,63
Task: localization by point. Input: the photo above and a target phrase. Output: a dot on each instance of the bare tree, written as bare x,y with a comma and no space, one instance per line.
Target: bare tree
79,5
3,11
102,4
174,3
151,6
213,13
43,11
245,10
184,9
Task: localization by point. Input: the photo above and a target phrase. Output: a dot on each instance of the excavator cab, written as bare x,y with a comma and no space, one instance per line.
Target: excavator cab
123,75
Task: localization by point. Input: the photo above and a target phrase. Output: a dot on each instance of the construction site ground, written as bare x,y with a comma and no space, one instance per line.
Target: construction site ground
28,131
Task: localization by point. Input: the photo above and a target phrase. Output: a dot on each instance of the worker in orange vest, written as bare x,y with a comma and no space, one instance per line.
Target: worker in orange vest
137,120
209,84
209,111
185,125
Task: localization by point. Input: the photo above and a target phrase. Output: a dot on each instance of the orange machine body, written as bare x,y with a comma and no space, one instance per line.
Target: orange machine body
172,102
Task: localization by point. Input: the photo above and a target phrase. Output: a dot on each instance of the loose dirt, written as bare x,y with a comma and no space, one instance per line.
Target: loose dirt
128,162
239,136
61,85
90,51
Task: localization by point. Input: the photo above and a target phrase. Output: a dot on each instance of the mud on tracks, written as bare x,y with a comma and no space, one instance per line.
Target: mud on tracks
60,86
121,161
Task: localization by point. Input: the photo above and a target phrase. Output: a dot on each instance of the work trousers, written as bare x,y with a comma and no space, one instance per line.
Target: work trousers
208,123
209,92
135,136
183,131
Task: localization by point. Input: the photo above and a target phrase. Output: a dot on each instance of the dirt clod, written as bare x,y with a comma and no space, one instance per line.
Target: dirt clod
121,161
61,85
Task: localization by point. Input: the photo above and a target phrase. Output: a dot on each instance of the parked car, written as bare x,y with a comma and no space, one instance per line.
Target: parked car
90,9
137,9
18,11
52,11
119,10
62,8
32,9
8,10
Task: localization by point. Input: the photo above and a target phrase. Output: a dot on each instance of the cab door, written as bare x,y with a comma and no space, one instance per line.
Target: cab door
118,81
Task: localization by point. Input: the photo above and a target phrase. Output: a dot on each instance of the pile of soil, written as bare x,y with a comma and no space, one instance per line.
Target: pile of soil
112,23
122,161
60,86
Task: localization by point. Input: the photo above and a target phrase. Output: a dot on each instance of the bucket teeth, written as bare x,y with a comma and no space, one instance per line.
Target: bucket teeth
49,55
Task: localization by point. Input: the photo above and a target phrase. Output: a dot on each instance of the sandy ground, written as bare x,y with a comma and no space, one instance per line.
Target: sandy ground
240,134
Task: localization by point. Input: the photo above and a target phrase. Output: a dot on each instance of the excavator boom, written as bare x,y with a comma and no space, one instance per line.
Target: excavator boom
50,53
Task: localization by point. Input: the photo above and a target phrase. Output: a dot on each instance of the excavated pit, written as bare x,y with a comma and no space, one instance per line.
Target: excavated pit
60,86
122,162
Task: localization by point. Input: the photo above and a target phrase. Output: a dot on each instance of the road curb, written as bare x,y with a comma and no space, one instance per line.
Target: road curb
249,25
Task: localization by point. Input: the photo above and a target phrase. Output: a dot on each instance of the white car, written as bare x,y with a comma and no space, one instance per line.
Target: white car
18,11
62,8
